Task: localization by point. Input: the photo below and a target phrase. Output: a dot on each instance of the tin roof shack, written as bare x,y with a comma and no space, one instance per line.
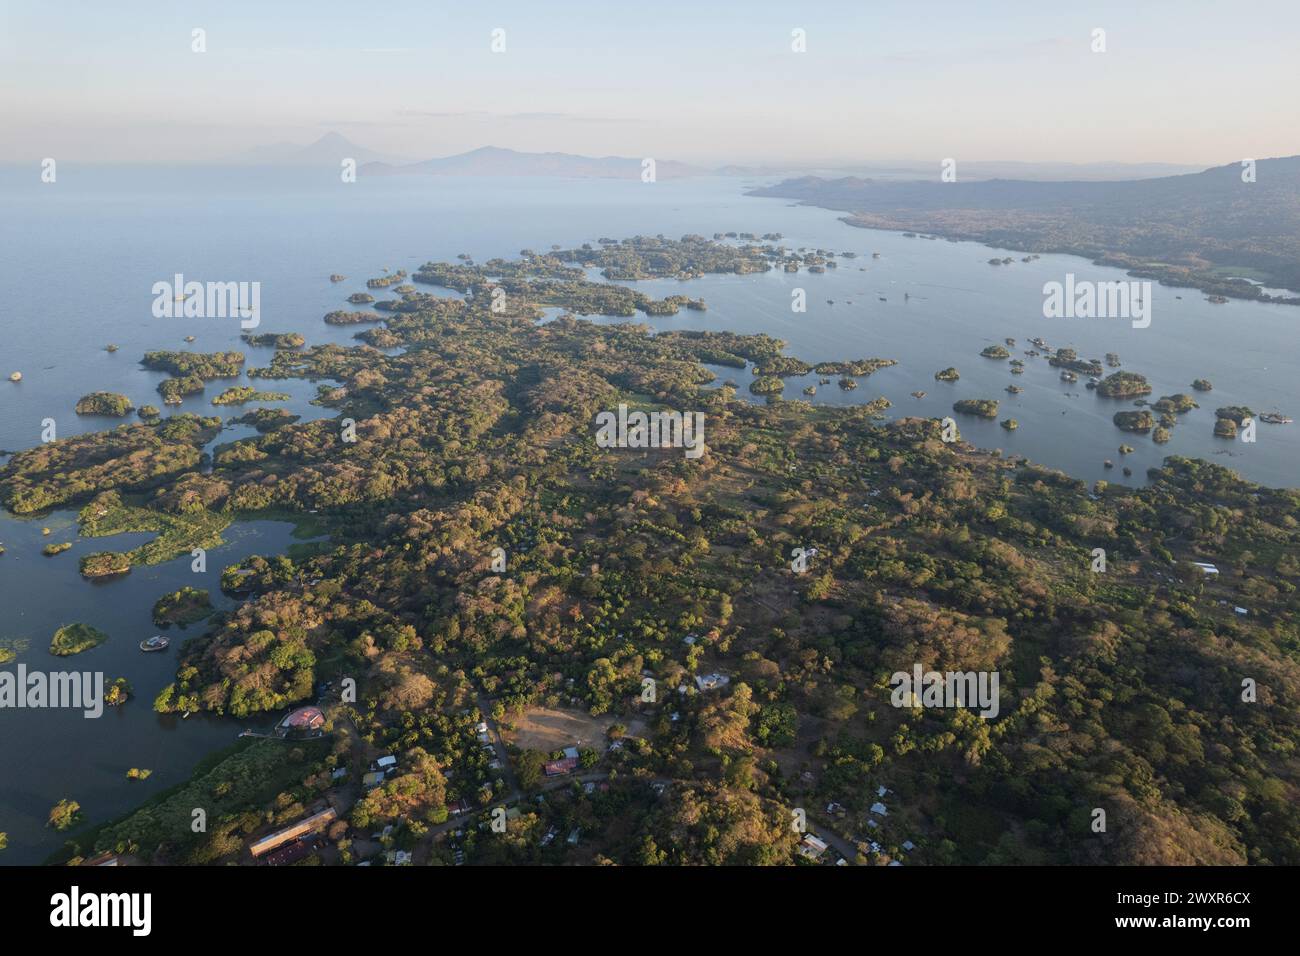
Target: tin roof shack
311,824
555,768
812,847
291,852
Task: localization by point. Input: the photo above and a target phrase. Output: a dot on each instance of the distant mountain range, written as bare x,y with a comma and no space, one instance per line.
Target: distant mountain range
1211,230
332,148
495,161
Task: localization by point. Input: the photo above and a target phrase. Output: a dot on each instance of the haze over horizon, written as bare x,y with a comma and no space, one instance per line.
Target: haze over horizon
679,82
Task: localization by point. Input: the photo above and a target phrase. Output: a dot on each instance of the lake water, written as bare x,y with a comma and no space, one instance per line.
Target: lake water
78,259
46,755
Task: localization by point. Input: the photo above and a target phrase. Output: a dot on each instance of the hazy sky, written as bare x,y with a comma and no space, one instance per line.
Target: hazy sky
1186,82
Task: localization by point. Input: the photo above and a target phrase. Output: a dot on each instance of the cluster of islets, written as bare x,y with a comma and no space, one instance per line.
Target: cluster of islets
1155,418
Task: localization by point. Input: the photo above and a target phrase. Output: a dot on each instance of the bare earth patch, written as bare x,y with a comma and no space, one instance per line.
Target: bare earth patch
547,729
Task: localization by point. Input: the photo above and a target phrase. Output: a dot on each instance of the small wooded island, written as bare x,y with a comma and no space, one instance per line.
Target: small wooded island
108,404
982,407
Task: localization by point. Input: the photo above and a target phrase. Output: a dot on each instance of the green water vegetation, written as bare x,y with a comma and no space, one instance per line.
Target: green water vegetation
148,412
242,394
1010,424
995,352
75,638
948,374
1202,385
981,407
65,815
136,773
10,648
109,404
50,550
1120,690
182,607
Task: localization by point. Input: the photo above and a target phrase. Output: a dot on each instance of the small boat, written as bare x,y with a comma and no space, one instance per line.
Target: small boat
1275,418
155,643
16,377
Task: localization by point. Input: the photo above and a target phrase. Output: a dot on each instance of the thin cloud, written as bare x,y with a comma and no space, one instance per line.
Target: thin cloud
524,117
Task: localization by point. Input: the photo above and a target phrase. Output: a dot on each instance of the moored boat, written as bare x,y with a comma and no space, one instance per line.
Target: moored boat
155,643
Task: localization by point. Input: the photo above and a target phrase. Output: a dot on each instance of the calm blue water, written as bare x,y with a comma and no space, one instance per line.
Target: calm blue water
78,259
46,755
